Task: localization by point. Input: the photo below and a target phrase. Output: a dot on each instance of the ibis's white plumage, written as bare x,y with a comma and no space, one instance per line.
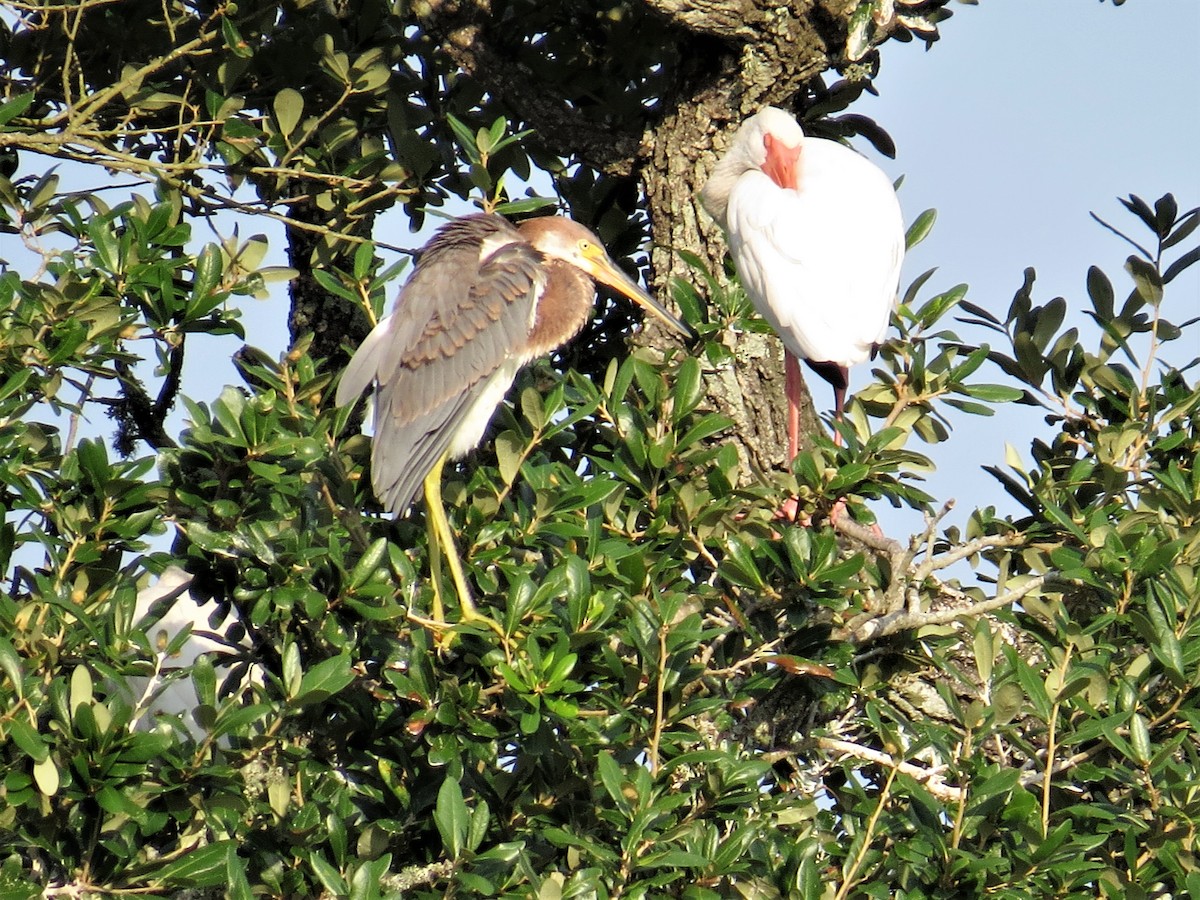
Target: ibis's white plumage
821,263
817,236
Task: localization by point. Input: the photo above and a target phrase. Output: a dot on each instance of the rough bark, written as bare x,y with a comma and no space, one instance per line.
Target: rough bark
331,321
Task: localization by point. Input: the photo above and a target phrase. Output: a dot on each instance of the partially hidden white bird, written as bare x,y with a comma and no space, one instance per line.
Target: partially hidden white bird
817,236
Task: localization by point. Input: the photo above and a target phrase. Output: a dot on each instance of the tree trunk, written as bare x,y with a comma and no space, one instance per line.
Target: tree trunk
331,321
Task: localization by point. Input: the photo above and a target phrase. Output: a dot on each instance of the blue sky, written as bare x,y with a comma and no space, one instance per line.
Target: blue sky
1024,118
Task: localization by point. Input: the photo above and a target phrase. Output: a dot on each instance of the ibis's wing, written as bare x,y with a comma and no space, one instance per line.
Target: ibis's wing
464,313
821,262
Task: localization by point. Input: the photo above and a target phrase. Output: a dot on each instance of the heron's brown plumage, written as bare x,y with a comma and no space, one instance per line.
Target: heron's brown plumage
562,309
484,299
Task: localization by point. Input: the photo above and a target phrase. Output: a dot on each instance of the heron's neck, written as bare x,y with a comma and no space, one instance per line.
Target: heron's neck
562,309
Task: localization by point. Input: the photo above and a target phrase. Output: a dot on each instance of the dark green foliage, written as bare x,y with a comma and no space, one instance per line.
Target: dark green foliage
664,711
686,696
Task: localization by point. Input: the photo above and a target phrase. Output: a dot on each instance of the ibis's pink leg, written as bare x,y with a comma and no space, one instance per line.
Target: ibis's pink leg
792,387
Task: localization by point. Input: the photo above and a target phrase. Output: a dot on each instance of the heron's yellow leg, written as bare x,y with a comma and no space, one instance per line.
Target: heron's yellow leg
441,539
438,610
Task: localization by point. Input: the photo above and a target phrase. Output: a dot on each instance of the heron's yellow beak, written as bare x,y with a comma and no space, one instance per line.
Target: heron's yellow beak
605,271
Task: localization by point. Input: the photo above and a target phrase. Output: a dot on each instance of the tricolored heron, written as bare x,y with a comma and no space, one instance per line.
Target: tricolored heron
817,236
484,299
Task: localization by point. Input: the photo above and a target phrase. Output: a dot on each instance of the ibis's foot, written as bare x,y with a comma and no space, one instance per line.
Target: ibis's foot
789,511
838,510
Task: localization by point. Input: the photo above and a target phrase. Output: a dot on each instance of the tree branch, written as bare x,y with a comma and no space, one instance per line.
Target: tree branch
907,621
930,778
717,18
461,28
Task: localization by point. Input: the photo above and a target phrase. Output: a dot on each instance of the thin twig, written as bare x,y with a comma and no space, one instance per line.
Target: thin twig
868,836
966,551
1038,777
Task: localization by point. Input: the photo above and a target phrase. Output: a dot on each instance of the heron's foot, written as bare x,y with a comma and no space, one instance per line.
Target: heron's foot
445,632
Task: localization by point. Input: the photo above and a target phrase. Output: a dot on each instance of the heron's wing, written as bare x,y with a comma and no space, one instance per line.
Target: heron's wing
360,372
821,262
433,293
463,316
402,455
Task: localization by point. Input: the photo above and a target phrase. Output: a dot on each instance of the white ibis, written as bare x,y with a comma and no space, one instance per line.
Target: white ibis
165,609
817,236
485,299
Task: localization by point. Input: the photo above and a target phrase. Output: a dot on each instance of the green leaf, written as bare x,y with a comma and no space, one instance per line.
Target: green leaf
739,564
585,495
711,424
985,649
858,40
233,39
364,259
81,688
1007,702
45,774
1049,318
10,665
15,107
289,107
451,817
116,803
1145,276
208,273
993,393
509,453
28,741
324,680
327,874
292,671
104,240
1100,290
368,564
465,138
1139,739
920,228
15,383
688,389
1183,262
206,866
612,778
524,205
938,306
533,408
333,285
480,816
